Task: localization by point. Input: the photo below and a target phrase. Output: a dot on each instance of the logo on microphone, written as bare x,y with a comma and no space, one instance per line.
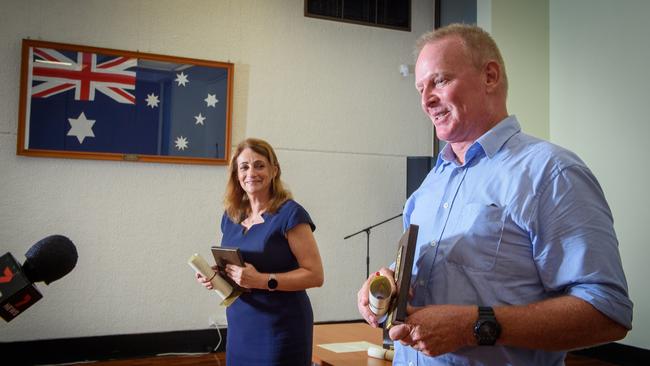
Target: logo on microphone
11,310
7,275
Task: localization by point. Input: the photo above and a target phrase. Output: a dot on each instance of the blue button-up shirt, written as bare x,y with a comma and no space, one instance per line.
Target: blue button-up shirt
521,221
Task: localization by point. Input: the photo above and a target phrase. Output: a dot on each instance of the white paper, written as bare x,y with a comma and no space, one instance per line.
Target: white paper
347,346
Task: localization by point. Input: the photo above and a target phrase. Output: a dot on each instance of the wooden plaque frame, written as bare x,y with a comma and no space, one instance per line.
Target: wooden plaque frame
403,268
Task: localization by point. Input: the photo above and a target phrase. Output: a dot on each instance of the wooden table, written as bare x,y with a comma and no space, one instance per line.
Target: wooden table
346,332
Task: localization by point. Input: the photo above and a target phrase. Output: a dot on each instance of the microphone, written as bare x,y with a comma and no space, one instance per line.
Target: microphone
47,261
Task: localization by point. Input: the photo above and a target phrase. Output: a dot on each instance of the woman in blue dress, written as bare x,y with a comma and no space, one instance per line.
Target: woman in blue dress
273,323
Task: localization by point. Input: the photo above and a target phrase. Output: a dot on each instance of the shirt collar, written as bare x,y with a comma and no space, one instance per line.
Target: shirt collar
493,140
490,143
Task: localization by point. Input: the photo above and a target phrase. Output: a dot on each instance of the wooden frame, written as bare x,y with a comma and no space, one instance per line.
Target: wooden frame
97,103
403,268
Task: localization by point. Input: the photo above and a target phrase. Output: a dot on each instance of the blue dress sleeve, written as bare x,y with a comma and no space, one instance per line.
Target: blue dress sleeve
296,214
224,220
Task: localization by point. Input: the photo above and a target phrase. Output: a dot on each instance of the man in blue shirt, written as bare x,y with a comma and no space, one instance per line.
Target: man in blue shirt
517,260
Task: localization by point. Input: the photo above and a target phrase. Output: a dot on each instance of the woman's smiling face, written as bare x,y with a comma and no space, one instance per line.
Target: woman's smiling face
254,172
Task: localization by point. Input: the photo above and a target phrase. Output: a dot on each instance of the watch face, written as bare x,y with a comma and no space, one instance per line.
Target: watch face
273,283
487,332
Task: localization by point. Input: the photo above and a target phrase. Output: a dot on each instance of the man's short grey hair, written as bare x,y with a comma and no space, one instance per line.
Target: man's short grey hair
478,43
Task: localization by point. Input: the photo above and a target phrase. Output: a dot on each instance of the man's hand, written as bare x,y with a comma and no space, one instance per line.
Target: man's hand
437,329
362,296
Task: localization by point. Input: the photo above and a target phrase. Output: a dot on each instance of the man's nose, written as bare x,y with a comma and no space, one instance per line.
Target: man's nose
429,99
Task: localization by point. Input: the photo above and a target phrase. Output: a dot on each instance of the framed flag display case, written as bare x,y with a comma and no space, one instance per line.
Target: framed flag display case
98,103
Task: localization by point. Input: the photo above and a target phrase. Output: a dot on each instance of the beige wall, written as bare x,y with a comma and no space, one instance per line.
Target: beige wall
327,95
520,27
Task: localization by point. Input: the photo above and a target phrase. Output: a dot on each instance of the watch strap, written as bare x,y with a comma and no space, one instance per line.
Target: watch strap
486,312
487,329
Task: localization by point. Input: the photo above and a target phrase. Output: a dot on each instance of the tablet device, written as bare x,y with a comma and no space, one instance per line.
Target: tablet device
223,256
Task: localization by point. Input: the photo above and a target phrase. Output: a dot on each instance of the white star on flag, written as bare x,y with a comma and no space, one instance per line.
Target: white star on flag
152,100
181,79
212,100
81,127
199,119
181,143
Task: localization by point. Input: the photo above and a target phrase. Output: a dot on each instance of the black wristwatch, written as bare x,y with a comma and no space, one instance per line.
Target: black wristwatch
486,330
272,284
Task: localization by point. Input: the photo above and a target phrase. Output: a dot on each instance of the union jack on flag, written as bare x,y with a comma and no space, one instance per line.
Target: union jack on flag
59,73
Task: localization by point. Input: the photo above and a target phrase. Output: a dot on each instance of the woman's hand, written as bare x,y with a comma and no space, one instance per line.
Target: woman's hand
246,277
205,282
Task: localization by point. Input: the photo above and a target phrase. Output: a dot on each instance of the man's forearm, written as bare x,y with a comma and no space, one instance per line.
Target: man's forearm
562,323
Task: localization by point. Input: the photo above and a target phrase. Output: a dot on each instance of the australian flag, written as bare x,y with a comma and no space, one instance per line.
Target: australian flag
91,102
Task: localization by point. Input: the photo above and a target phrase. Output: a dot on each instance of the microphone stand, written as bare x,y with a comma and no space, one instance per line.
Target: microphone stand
367,231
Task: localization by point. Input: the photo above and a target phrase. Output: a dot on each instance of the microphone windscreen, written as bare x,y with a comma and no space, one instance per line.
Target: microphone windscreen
50,259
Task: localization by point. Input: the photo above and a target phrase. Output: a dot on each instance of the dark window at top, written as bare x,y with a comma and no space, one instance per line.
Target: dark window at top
325,8
363,11
395,14
455,11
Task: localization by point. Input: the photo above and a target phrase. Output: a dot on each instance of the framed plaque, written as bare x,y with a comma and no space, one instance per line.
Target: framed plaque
222,257
403,267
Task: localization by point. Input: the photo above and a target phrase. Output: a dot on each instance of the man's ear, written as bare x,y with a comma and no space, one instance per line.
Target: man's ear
492,72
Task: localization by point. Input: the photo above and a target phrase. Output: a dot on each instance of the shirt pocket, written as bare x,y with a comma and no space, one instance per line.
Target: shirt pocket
475,245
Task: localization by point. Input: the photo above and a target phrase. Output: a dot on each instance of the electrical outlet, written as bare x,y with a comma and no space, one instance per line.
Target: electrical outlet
217,321
212,322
